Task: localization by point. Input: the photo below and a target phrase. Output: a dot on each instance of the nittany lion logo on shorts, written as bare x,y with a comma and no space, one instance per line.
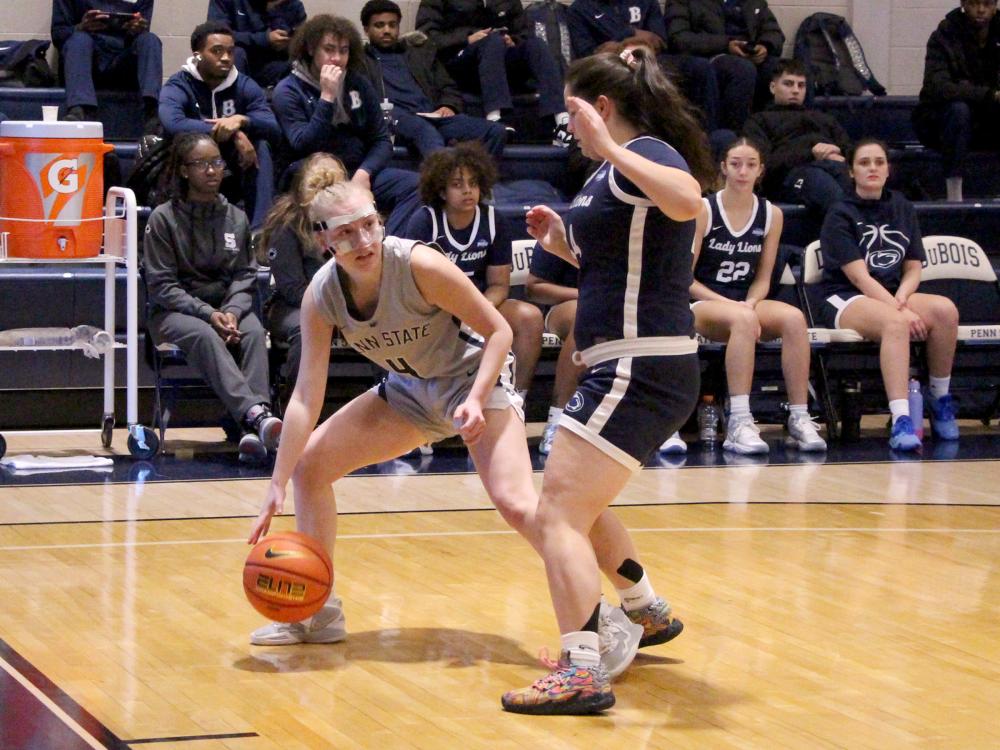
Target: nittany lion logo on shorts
575,403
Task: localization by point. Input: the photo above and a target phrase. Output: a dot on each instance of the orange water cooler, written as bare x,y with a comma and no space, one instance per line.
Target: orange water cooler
52,188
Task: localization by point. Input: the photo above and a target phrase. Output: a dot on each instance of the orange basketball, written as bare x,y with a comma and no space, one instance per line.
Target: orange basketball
288,576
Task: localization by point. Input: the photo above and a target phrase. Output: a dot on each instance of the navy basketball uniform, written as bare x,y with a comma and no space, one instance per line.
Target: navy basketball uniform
485,242
728,259
634,328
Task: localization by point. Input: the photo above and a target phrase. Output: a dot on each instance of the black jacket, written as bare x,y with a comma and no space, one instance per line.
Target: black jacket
449,23
788,134
250,20
427,70
698,27
197,259
956,67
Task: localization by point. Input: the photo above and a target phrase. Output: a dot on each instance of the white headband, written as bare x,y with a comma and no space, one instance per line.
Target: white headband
338,221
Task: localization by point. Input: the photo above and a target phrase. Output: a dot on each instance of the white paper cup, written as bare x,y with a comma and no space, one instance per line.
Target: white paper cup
50,113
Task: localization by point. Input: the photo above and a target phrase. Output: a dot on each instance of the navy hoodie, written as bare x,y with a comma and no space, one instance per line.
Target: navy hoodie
66,14
186,102
352,129
594,22
250,20
883,232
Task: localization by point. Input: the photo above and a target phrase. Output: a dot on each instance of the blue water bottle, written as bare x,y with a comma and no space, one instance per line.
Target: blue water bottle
916,401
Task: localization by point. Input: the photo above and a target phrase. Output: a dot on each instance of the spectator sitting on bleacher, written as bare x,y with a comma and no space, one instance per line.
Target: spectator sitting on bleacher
805,147
552,281
427,105
202,283
872,255
453,184
960,99
327,104
735,247
743,40
290,249
603,25
263,30
485,45
100,44
209,95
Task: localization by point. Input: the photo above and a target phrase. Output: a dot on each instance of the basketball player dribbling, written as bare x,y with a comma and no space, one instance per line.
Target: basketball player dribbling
406,307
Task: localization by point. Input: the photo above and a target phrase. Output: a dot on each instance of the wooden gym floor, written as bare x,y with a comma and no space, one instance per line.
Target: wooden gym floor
825,606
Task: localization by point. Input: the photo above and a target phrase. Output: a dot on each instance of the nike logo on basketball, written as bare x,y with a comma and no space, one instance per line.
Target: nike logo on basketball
281,553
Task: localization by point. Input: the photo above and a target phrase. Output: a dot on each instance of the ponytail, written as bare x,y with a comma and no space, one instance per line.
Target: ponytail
646,97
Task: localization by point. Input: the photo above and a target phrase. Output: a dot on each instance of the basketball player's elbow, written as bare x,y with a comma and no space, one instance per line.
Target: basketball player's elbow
502,334
685,205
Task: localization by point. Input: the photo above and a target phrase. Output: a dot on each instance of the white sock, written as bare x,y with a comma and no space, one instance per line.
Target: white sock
554,413
939,386
899,407
493,115
800,409
583,647
739,406
562,118
953,186
637,596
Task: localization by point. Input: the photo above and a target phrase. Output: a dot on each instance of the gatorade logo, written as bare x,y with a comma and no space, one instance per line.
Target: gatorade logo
63,176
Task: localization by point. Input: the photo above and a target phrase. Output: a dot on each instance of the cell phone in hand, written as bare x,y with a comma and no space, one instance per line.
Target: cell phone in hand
118,21
748,47
499,29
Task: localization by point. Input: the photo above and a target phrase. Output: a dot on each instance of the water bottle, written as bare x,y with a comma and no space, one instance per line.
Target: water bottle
850,412
916,401
708,421
390,124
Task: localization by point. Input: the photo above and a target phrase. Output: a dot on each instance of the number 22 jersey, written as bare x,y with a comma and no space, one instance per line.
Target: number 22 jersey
729,256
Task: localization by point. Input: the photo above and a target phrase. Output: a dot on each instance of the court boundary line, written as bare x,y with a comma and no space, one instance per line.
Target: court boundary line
511,532
193,738
51,696
687,503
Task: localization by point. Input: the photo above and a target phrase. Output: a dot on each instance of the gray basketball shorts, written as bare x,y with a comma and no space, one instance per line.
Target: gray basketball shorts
430,403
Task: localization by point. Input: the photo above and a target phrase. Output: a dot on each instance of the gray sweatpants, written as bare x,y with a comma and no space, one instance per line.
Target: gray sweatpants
237,374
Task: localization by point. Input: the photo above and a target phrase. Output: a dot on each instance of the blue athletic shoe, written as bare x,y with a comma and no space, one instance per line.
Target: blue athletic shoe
943,417
903,437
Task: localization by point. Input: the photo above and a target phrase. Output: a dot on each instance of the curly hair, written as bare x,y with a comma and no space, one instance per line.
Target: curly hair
180,148
317,172
437,169
310,35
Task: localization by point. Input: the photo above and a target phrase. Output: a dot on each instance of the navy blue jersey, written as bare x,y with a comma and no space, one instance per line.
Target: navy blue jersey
485,242
727,262
635,262
553,269
884,233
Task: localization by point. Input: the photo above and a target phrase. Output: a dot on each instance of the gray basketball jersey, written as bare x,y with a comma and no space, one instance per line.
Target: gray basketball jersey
406,334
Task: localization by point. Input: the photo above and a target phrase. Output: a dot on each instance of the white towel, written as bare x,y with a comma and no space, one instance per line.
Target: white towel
55,463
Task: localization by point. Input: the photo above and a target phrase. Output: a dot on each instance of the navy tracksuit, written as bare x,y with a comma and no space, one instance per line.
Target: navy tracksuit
251,21
110,59
186,102
359,137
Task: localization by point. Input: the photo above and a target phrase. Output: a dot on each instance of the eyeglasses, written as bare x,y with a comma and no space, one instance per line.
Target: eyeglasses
202,165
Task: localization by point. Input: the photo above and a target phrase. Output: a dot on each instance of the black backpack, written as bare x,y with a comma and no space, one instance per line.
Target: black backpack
548,19
832,54
23,63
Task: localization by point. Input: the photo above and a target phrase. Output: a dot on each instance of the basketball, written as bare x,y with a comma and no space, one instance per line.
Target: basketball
288,576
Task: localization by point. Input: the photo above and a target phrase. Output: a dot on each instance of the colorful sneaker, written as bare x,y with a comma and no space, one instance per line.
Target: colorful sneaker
568,689
657,624
619,638
743,437
259,419
252,450
904,437
547,437
943,417
326,626
674,444
803,433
